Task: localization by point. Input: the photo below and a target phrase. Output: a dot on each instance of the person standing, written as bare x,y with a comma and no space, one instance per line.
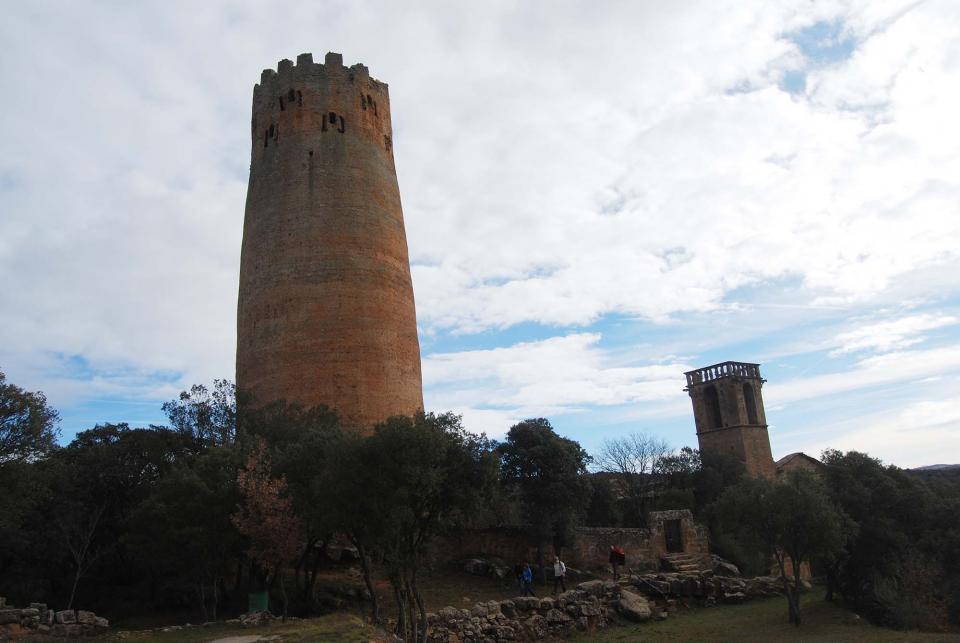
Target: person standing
617,558
527,580
559,572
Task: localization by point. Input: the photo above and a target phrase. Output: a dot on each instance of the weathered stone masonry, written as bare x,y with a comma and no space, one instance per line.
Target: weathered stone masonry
326,312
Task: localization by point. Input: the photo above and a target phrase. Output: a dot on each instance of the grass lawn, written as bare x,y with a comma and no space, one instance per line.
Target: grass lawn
762,620
341,626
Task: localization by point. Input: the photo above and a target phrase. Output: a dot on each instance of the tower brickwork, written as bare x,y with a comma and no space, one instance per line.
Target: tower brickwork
325,311
729,415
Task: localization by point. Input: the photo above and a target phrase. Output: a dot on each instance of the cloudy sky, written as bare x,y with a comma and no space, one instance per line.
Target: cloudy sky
598,197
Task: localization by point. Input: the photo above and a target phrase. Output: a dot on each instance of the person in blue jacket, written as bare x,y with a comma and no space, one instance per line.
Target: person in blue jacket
527,580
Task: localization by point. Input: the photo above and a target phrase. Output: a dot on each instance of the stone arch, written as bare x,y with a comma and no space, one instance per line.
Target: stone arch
711,401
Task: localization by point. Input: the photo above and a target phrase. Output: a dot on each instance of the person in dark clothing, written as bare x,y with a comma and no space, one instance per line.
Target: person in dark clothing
518,573
618,558
527,580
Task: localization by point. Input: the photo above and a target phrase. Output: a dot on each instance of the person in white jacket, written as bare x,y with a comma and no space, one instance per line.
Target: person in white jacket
559,571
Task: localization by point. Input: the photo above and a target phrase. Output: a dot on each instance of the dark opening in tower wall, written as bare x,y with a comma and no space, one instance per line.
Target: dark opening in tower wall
750,401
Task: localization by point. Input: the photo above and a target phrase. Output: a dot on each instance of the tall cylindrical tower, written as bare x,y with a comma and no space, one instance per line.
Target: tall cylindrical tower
325,312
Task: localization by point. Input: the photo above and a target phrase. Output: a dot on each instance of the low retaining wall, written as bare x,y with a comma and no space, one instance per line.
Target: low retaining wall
591,606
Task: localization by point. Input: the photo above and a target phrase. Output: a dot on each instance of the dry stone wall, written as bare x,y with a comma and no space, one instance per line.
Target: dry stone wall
38,618
592,606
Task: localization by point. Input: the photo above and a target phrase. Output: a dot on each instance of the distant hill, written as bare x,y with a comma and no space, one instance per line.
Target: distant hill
936,467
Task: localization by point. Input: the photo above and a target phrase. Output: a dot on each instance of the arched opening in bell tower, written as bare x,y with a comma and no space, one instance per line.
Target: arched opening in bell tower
750,401
712,402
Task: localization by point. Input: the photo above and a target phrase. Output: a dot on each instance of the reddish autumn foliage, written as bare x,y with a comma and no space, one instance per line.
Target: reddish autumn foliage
266,517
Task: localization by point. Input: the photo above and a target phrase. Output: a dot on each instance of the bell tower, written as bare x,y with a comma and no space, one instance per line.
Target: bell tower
729,415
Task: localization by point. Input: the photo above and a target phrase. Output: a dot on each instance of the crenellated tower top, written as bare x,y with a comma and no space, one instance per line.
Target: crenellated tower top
324,96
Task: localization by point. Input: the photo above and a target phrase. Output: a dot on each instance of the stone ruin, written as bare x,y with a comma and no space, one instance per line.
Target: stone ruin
38,618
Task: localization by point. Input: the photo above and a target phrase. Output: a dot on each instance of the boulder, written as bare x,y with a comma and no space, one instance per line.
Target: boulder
9,616
508,609
535,627
102,622
527,603
724,568
556,617
592,587
66,617
634,607
86,618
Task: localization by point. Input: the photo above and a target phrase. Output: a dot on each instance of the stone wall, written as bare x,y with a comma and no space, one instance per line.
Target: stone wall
40,619
592,606
590,549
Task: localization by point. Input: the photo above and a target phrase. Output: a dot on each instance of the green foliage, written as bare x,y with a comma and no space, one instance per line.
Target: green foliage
207,418
28,426
400,487
793,521
901,566
548,473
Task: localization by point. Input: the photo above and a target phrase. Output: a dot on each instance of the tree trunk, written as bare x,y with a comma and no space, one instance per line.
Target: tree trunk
283,592
365,566
796,592
216,597
420,607
73,589
787,590
203,601
401,629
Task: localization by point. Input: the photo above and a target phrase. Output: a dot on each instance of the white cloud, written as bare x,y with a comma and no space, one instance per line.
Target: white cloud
497,387
922,433
891,334
879,370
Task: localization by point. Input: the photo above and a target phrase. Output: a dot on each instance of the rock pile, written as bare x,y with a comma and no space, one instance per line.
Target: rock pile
592,605
38,618
586,608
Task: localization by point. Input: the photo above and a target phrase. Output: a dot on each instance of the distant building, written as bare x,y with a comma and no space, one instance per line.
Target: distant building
729,415
797,461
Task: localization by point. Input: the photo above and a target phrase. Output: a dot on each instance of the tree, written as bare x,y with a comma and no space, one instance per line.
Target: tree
207,417
414,478
28,426
266,518
183,534
302,445
791,521
635,460
900,567
548,474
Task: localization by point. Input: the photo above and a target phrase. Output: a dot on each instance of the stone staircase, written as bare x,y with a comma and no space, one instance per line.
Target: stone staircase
683,562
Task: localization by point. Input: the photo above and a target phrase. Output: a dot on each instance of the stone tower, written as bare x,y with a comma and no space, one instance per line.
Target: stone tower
325,312
728,411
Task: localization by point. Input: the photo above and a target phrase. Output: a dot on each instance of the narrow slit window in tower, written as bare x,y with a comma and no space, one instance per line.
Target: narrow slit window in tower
343,126
281,103
333,118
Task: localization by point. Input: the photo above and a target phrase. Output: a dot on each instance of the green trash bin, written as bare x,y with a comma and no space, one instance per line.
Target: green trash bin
259,602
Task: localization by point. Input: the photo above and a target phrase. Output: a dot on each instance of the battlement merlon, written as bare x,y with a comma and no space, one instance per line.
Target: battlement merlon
305,70
744,370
